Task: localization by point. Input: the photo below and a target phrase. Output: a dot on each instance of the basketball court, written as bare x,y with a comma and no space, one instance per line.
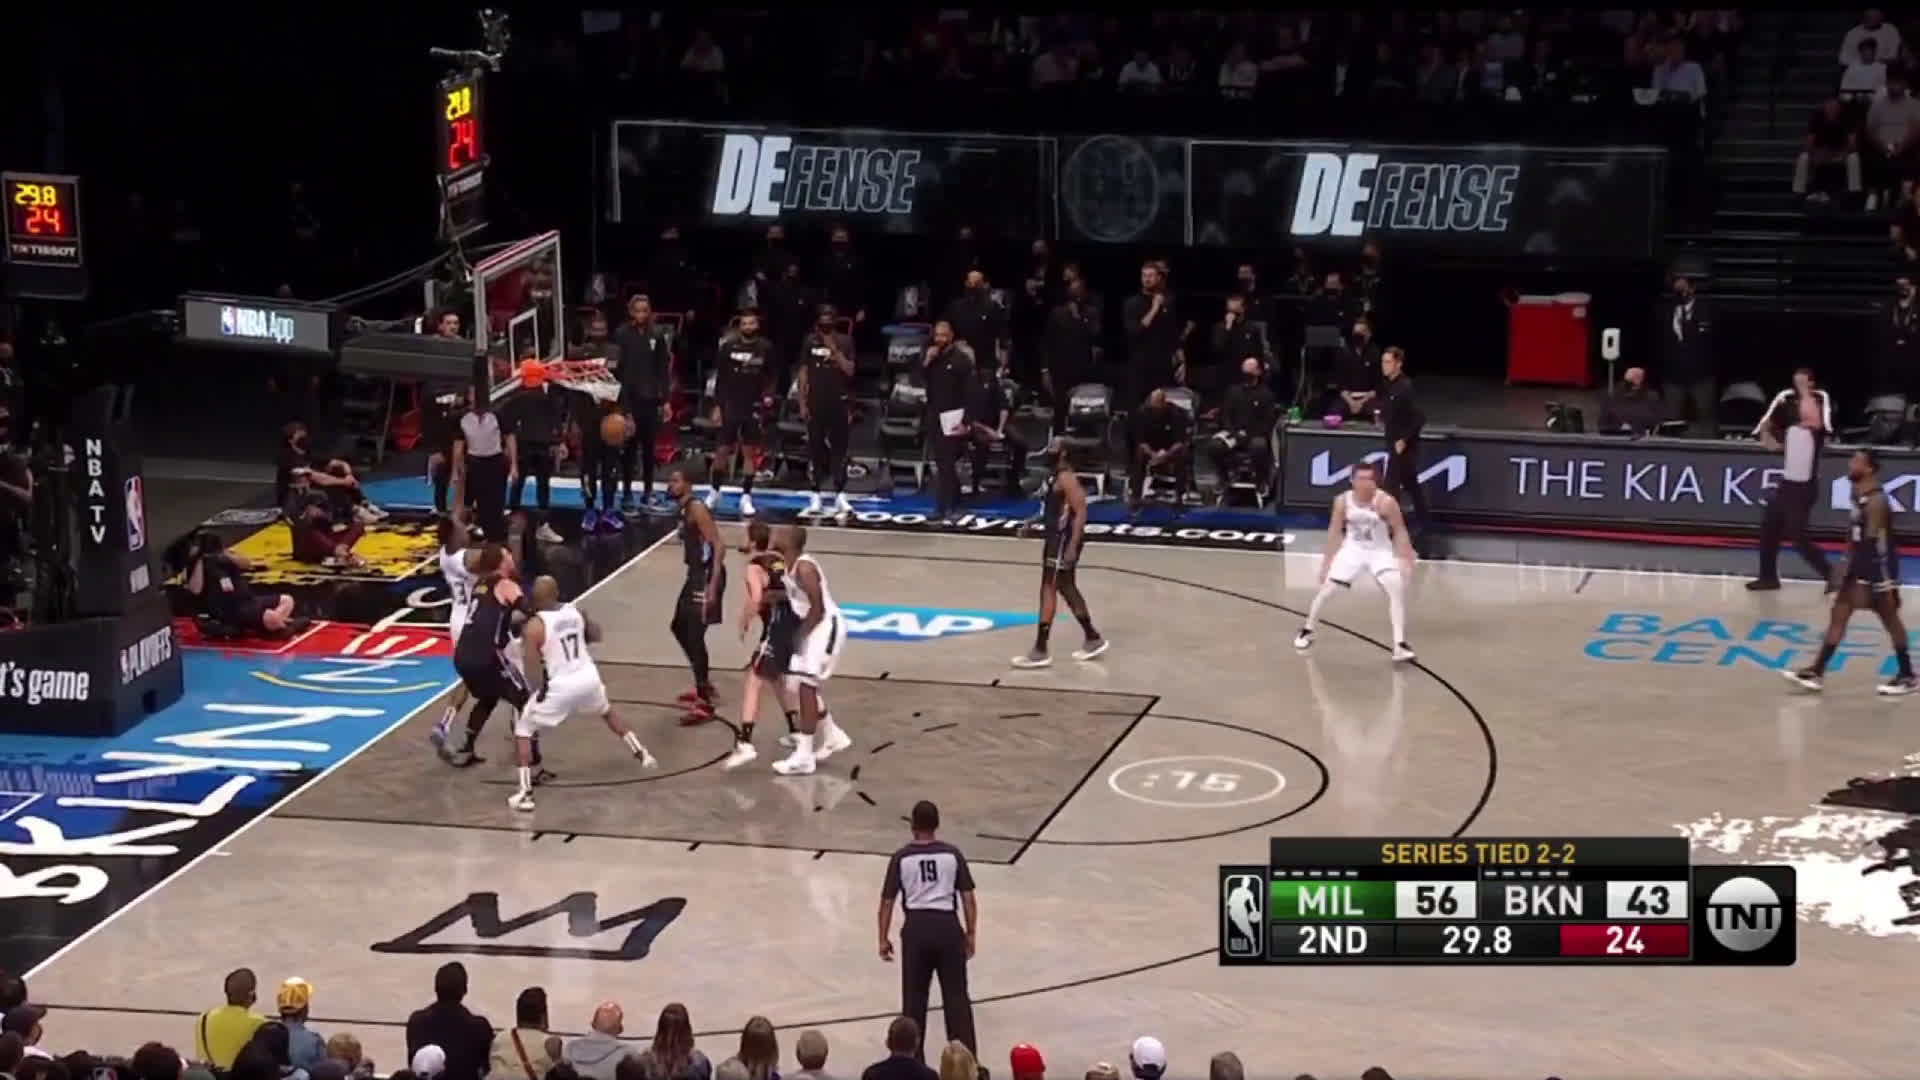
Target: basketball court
1095,801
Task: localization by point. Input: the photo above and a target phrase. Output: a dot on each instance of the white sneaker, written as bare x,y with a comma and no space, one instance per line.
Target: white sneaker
1303,640
1034,659
746,505
1091,649
831,740
1402,653
813,503
789,741
546,534
713,498
798,763
1805,680
521,801
842,509
742,753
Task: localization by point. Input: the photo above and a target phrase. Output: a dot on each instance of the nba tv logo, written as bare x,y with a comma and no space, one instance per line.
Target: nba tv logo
1243,914
1745,915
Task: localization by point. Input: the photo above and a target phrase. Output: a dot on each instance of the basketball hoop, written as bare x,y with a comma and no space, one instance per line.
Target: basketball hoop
590,377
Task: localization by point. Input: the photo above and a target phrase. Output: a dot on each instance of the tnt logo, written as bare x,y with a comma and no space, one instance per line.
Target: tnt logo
136,515
1744,915
229,321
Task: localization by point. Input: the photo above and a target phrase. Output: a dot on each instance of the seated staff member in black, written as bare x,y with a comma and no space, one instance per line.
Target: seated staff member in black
698,604
826,382
485,463
218,577
931,880
948,369
767,667
1401,420
742,386
1869,577
1355,393
1246,425
538,421
645,357
480,656
989,415
440,427
1162,438
1797,428
1064,519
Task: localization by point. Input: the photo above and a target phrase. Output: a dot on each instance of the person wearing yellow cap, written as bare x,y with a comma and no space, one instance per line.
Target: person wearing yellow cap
305,1046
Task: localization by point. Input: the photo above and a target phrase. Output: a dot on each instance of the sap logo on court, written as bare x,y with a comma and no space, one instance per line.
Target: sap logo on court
884,622
584,927
1633,637
1452,470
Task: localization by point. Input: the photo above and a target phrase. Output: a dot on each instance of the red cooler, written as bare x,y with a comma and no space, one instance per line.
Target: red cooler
1548,340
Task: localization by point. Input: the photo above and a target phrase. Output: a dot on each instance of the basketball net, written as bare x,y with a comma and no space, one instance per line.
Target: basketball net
590,377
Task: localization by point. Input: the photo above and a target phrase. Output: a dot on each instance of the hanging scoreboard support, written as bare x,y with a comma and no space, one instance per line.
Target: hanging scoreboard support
461,171
1568,900
45,252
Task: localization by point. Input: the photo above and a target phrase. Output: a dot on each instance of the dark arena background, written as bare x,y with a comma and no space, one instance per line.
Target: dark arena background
1608,299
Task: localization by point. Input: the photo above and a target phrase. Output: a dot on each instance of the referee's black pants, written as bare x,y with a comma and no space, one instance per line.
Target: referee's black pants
933,943
1786,518
1403,481
487,491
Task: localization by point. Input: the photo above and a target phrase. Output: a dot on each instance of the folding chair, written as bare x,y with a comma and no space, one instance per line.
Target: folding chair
1087,433
903,446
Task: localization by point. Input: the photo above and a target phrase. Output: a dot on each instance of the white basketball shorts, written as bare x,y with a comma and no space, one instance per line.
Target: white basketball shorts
1353,560
581,694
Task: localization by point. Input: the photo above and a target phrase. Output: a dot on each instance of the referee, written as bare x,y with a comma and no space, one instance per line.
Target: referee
483,457
1796,426
931,880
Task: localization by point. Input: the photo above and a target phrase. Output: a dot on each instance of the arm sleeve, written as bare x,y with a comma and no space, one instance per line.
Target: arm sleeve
890,886
963,876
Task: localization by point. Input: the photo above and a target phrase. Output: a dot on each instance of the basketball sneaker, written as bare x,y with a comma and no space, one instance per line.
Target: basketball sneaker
829,740
521,801
1303,640
1092,649
546,534
639,752
1402,652
1038,658
438,736
746,505
743,752
799,763
713,497
842,509
1806,679
1900,686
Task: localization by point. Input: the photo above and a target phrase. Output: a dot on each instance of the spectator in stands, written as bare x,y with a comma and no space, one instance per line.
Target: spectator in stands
1866,76
539,422
958,1063
902,1061
810,1050
1246,425
759,1056
1239,76
1103,1070
24,1021
305,1047
1677,78
1148,1058
1892,134
1025,1062
1235,337
1829,155
320,534
447,324
525,1051
220,1033
12,1052
1897,367
1505,43
153,1061
1634,408
345,1049
979,320
598,1054
1436,81
1068,347
447,1023
1140,74
672,1055
1356,375
1055,67
989,413
1226,1066
1537,77
1871,27
1688,366
1162,442
1154,334
843,277
1246,282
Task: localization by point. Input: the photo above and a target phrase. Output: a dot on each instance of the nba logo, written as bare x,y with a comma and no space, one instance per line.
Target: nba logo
229,322
1242,916
136,515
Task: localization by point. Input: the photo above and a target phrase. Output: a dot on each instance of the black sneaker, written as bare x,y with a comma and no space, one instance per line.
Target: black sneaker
1900,686
1764,585
544,776
1806,679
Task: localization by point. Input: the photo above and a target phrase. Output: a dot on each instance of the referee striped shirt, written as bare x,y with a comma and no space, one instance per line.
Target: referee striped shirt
482,434
927,877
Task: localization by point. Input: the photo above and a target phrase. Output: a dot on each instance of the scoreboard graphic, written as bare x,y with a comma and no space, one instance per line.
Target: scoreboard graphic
1562,900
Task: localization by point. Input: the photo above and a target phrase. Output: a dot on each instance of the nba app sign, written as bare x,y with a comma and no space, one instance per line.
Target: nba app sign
885,622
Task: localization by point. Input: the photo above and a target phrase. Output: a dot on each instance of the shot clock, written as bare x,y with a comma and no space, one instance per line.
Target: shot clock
1559,900
460,123
45,254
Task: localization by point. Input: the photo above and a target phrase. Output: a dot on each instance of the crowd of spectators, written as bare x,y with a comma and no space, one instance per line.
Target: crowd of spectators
446,1040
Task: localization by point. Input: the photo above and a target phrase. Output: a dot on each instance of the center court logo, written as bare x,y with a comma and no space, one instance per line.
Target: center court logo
886,622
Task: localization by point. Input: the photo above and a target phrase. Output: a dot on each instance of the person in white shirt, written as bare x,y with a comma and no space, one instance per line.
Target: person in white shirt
1866,75
1892,128
1238,75
1797,426
555,640
818,641
1678,76
1366,535
1872,27
1140,73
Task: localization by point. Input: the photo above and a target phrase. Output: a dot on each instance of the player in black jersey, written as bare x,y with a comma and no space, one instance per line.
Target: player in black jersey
480,656
1869,577
742,387
767,667
698,605
1064,519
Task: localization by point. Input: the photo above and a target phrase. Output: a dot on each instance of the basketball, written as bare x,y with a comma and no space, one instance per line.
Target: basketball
615,429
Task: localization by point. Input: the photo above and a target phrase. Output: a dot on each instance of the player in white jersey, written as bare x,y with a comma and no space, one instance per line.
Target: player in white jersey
555,641
1367,535
817,644
456,567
